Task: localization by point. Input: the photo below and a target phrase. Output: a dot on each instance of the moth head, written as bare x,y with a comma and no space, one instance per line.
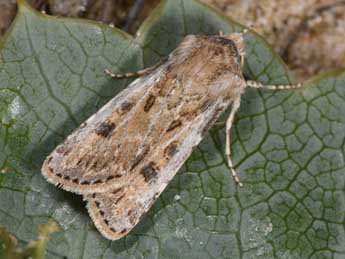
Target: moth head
237,39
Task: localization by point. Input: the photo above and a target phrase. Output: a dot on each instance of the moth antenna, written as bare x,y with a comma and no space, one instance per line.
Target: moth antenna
138,73
255,84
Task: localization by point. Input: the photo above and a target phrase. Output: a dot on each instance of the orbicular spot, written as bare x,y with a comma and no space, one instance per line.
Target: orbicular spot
174,124
149,102
126,106
171,149
149,172
104,129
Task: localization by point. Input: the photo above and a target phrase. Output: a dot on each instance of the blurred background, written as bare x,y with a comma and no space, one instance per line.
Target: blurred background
308,34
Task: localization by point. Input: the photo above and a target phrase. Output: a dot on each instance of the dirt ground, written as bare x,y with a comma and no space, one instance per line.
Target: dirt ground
308,34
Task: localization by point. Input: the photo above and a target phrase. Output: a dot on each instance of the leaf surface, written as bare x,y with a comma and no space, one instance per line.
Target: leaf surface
288,147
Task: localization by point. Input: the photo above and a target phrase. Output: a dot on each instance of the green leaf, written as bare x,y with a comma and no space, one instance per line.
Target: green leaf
288,147
35,249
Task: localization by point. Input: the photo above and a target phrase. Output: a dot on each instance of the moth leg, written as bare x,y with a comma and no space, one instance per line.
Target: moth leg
255,84
139,73
229,122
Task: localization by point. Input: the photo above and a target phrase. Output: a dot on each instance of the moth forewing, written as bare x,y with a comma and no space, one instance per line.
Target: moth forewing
117,211
85,162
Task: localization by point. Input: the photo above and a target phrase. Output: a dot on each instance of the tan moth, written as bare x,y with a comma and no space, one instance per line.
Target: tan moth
123,156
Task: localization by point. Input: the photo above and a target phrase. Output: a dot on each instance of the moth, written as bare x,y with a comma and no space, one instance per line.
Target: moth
123,156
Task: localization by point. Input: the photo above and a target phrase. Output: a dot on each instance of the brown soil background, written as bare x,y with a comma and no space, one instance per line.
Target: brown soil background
309,35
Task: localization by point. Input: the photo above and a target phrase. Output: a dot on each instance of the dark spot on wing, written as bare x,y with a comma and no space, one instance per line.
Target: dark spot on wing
109,178
173,125
62,150
218,51
171,149
97,181
149,102
126,106
51,169
116,191
149,172
94,165
79,161
210,123
139,157
120,198
104,129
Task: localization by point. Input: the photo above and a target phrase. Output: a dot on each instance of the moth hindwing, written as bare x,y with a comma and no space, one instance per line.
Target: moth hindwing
123,157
